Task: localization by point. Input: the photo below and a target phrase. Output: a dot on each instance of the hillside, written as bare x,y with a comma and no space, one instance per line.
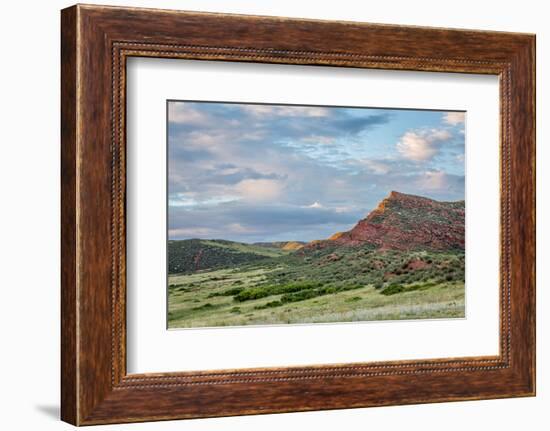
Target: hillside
283,245
192,255
405,222
404,260
400,222
331,284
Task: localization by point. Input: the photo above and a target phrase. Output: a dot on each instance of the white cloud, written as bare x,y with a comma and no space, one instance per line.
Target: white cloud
434,180
454,118
191,232
216,142
239,228
345,209
319,139
286,111
422,145
376,166
260,189
182,200
315,205
182,113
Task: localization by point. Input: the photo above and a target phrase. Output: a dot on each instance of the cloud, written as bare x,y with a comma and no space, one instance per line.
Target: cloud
422,145
259,190
438,181
454,118
283,111
256,221
183,113
434,180
191,232
317,139
208,130
376,166
352,124
239,229
267,173
315,205
183,200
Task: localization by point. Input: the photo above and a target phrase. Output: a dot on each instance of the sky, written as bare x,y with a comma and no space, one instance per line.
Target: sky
257,172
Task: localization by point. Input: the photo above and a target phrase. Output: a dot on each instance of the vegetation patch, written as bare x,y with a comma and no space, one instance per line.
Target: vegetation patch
425,284
394,289
270,290
228,292
197,255
353,299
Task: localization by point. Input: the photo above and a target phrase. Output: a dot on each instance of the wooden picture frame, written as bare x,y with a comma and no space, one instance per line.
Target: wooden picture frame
95,43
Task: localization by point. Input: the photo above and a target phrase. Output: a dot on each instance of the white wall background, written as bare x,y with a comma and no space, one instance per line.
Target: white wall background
29,217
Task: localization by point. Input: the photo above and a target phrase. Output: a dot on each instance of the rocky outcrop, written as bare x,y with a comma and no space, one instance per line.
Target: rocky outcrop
406,222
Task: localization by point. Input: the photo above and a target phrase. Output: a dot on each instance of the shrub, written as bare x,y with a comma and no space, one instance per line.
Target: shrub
203,306
353,299
228,292
299,296
269,304
270,290
393,289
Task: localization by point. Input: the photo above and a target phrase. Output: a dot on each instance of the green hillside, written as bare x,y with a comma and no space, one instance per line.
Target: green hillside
405,260
331,284
284,245
193,255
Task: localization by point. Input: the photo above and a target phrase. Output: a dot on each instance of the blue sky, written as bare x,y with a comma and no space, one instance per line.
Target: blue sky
249,173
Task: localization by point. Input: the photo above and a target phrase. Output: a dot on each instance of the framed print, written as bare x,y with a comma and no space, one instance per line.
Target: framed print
244,228
261,217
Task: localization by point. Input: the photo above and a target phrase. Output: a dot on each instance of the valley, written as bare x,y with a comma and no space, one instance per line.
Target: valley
405,260
361,285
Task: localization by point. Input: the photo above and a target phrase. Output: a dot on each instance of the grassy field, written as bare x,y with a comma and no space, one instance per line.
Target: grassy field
343,285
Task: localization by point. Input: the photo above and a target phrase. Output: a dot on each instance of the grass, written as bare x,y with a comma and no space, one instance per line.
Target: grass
360,285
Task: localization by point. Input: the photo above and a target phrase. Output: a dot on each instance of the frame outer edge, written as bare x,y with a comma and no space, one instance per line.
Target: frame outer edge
532,80
533,54
88,397
523,217
69,201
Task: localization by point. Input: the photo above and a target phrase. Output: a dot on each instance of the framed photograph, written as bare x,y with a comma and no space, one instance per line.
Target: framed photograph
261,199
263,214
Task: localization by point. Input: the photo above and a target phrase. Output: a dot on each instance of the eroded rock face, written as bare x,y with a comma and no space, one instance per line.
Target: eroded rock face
406,222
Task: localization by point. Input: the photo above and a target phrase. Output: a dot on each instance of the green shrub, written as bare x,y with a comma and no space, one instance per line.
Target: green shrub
204,306
299,296
269,304
353,299
393,289
228,292
270,290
